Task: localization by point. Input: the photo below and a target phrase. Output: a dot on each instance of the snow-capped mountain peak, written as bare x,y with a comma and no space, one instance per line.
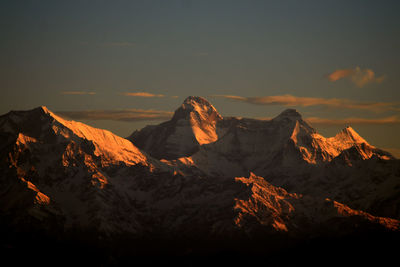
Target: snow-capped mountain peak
197,108
194,123
42,124
348,134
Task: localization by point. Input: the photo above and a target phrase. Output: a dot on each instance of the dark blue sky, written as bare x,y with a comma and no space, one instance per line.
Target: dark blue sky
54,53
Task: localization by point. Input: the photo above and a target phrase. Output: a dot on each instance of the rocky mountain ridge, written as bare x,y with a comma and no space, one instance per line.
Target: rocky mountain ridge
289,153
229,179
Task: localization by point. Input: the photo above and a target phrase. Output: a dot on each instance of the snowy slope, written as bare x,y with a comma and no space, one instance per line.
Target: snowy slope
65,165
41,123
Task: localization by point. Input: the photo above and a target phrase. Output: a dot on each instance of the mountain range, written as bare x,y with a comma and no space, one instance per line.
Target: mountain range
198,184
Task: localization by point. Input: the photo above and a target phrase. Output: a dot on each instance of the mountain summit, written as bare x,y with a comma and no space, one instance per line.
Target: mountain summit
198,109
193,124
349,135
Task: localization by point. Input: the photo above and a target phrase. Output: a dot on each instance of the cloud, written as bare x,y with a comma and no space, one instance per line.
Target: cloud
340,74
352,121
346,121
118,115
77,93
142,94
360,77
292,101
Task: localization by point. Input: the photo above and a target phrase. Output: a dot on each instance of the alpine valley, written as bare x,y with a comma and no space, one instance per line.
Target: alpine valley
200,187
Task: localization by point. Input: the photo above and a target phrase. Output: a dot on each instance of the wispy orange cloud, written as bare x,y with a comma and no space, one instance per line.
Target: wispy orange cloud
118,115
352,121
142,94
346,121
77,93
292,101
360,77
339,74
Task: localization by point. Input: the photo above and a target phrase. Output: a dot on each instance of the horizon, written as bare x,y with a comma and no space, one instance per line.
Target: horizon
335,63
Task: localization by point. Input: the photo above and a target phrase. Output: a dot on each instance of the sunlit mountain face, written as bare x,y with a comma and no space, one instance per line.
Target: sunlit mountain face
197,188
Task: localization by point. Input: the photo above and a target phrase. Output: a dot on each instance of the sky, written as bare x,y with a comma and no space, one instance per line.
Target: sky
121,65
